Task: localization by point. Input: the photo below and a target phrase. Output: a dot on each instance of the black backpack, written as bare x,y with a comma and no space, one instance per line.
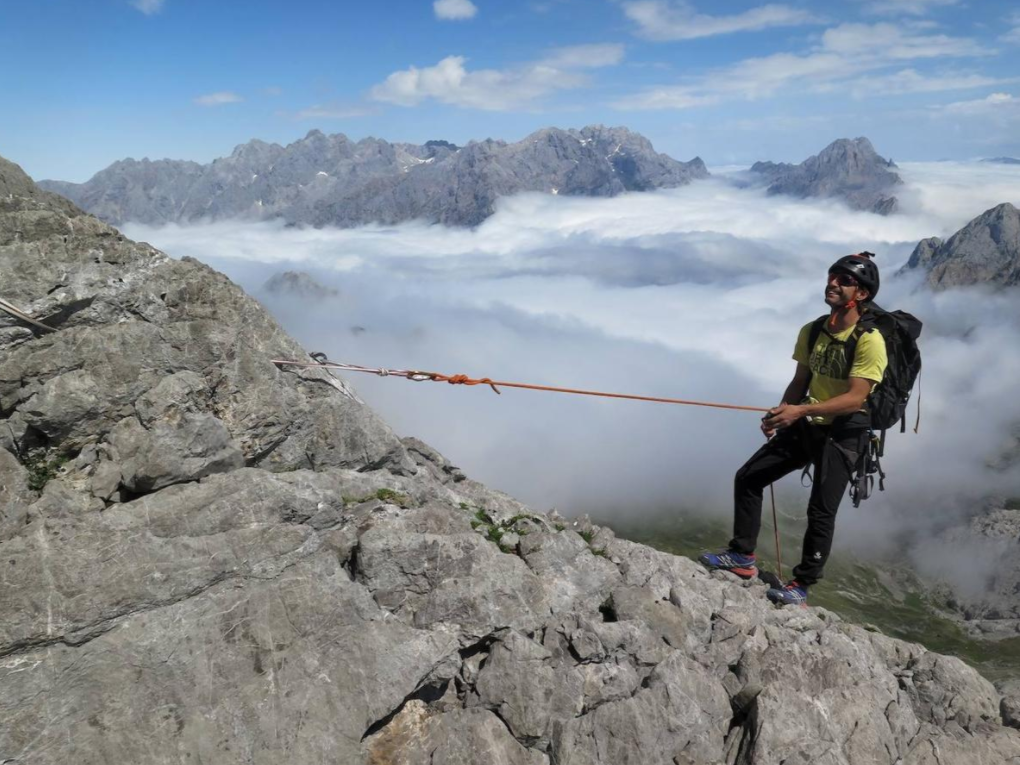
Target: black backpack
887,403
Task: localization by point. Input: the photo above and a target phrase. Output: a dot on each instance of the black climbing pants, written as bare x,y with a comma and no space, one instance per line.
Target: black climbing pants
833,451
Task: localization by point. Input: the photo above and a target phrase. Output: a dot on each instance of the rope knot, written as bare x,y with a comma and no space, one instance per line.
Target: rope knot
465,380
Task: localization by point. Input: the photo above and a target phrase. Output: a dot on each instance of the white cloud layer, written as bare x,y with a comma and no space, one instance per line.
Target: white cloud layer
450,82
845,55
694,293
148,7
679,20
454,10
218,99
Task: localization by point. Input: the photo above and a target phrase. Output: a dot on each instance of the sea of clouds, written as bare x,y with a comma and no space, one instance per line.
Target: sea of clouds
695,293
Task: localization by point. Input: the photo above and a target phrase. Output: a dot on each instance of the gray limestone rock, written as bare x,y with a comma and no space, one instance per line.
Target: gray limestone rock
529,690
985,251
847,169
681,716
15,495
459,737
170,451
460,579
583,580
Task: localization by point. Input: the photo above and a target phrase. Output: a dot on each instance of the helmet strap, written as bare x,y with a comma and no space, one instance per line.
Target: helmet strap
839,312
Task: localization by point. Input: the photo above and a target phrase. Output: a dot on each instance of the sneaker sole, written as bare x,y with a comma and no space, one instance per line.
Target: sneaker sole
782,603
743,573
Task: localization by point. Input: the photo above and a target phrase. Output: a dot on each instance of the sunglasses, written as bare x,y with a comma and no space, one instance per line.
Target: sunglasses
844,280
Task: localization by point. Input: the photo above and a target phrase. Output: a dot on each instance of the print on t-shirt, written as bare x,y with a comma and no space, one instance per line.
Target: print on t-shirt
829,359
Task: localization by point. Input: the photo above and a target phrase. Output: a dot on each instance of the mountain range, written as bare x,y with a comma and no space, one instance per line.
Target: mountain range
329,180
325,180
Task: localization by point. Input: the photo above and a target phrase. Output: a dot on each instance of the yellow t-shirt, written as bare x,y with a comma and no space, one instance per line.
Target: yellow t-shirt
828,363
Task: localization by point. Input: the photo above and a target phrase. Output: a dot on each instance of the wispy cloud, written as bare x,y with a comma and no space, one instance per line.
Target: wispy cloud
912,81
906,7
450,82
148,7
219,98
272,90
995,103
678,20
1013,34
845,53
454,10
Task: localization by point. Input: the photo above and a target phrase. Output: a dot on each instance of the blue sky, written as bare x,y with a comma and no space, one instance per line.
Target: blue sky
85,83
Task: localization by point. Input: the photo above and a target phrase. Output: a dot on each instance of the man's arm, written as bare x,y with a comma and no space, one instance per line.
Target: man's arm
797,388
847,403
795,391
785,415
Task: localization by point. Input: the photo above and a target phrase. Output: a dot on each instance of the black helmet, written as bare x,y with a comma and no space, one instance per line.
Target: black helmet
861,267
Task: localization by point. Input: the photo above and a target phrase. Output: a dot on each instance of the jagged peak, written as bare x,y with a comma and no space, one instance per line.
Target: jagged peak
14,181
985,251
1005,209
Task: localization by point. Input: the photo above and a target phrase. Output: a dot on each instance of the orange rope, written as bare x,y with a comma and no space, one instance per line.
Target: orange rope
465,380
775,528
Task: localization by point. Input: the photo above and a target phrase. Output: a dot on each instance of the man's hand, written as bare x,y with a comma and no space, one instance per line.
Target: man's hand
782,416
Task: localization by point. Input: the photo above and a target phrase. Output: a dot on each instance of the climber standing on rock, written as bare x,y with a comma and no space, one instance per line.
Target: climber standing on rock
822,422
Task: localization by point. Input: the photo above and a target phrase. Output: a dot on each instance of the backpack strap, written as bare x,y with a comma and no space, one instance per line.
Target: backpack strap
816,330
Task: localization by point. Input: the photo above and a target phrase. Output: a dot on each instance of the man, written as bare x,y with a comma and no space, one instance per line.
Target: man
822,421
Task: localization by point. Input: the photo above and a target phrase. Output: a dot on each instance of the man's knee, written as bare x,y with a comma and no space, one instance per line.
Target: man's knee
749,477
740,479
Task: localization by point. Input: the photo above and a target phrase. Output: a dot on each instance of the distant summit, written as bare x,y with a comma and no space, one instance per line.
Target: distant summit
985,251
326,180
297,284
1003,160
846,169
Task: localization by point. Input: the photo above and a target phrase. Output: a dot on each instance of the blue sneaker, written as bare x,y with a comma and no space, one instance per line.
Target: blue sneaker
729,560
792,594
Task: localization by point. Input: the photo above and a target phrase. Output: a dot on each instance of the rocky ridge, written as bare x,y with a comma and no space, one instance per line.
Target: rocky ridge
298,284
985,251
990,534
846,169
330,180
207,558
